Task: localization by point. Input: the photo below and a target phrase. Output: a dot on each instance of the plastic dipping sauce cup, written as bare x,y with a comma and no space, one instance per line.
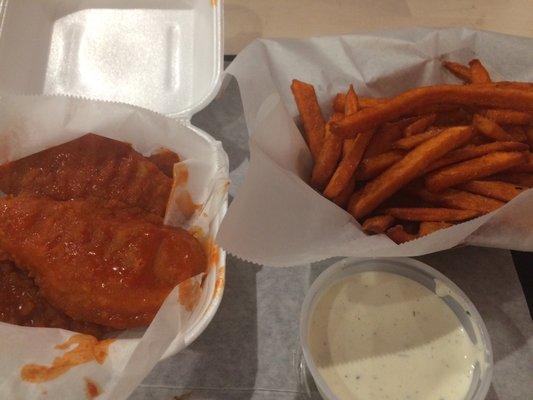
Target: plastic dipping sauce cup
393,328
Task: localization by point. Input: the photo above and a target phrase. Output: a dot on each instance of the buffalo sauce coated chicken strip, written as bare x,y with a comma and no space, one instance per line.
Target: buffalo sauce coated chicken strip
97,263
21,303
90,166
165,159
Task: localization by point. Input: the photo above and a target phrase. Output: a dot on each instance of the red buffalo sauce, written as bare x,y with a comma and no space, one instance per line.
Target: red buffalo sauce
92,389
189,294
83,349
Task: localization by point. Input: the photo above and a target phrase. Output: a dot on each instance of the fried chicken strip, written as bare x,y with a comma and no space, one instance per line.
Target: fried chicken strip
21,303
104,265
90,166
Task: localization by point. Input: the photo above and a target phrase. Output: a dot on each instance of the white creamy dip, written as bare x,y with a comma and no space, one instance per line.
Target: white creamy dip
379,335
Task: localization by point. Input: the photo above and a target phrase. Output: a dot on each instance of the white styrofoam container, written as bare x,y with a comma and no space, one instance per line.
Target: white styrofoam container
162,55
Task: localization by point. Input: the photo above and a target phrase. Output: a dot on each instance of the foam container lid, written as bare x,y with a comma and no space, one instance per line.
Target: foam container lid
162,55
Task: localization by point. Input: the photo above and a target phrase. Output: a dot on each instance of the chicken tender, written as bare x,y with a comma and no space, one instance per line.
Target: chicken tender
91,165
21,303
105,265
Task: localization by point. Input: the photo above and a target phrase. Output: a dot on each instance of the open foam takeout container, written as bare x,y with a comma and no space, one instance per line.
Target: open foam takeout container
135,71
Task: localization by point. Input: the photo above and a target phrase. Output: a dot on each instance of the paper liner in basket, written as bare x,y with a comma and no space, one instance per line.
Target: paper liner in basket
276,218
111,368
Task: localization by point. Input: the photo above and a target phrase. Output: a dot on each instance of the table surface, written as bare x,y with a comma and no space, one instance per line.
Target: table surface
246,20
251,349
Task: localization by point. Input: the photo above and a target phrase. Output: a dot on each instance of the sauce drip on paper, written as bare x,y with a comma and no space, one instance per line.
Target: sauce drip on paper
85,348
186,205
219,284
189,294
92,389
183,198
213,255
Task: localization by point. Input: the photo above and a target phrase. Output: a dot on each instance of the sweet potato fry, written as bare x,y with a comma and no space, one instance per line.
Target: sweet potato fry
529,136
479,139
364,102
368,102
344,196
429,157
328,158
378,224
518,133
426,109
457,116
410,142
427,227
346,146
348,165
372,167
482,95
498,190
479,72
527,166
516,178
432,214
509,117
402,198
351,106
399,235
338,102
310,115
476,168
420,125
472,151
354,198
527,86
386,135
460,200
491,129
459,70
353,152
407,169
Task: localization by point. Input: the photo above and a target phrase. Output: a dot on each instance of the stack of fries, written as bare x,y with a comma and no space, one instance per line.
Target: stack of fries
426,159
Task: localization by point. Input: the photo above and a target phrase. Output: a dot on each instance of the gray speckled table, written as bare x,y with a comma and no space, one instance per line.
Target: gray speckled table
251,350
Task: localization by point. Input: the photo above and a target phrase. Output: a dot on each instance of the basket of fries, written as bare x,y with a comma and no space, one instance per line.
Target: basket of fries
386,170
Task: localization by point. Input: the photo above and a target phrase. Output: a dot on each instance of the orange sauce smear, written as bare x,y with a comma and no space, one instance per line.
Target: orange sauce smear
189,294
213,256
86,349
186,205
92,389
183,198
219,284
181,175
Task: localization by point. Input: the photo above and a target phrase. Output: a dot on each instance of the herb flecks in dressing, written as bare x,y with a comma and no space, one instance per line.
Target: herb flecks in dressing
378,335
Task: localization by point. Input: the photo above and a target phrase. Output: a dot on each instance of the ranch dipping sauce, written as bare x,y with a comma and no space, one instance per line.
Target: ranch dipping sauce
379,335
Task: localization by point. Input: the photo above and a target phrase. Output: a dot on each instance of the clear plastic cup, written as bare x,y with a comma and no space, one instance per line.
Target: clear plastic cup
423,274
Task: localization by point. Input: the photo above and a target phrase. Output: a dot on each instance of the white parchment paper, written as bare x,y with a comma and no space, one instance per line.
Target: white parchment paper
276,218
29,124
